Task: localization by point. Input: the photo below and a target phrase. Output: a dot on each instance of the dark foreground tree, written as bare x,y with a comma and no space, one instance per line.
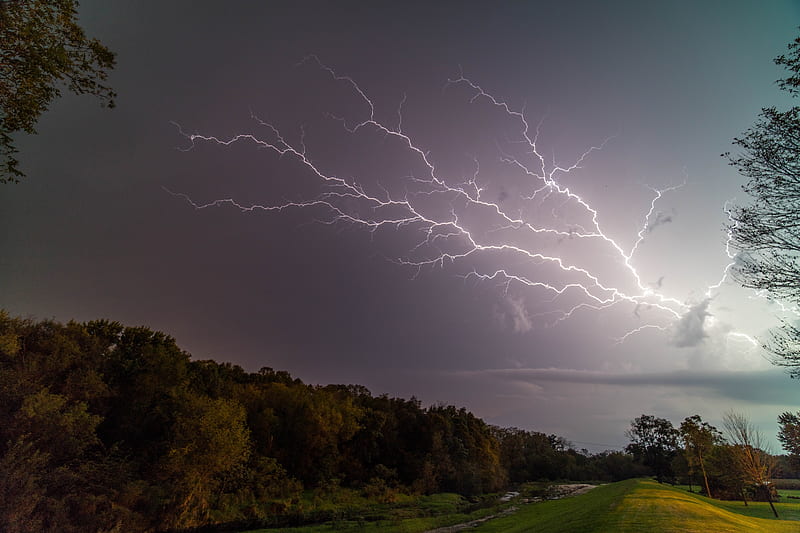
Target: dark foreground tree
654,443
766,233
43,50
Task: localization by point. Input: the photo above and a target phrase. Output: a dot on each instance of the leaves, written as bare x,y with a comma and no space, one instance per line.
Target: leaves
42,50
766,233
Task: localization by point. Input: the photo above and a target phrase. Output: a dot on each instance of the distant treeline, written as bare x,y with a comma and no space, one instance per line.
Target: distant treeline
112,428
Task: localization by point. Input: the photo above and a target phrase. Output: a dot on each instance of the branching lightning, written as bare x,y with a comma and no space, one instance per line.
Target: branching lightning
457,222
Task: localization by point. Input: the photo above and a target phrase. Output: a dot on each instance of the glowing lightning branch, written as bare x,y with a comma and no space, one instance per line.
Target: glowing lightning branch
457,223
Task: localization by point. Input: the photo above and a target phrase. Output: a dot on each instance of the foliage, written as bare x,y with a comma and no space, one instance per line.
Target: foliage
111,428
104,426
654,443
765,233
739,467
42,50
789,435
699,439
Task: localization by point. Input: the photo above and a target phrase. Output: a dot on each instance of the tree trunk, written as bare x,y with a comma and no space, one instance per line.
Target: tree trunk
705,477
769,499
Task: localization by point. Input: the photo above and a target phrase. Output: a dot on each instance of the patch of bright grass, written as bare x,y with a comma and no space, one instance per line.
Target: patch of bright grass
653,507
634,506
579,513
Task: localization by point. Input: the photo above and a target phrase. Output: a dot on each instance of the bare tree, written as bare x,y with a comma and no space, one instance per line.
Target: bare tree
751,452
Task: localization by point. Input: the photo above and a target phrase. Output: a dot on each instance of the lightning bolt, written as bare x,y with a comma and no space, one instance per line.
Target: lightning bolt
457,222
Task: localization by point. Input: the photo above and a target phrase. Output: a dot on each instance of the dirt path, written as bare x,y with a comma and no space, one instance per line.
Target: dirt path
559,491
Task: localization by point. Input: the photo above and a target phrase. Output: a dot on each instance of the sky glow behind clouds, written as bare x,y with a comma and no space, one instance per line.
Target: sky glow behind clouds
92,233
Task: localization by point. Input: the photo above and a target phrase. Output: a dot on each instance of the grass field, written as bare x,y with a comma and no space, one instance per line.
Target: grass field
790,494
631,506
645,506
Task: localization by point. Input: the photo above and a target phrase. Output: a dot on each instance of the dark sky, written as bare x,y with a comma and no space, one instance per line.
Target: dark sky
663,87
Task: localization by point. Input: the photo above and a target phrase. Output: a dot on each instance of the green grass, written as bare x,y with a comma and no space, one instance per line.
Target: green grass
411,514
631,506
635,506
580,513
785,493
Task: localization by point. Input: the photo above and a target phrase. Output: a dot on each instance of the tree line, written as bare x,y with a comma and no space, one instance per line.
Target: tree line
735,463
111,428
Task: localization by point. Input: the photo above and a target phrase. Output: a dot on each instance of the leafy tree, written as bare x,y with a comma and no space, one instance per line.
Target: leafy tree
22,469
699,438
530,455
111,428
615,466
789,435
724,476
654,443
42,50
210,446
766,233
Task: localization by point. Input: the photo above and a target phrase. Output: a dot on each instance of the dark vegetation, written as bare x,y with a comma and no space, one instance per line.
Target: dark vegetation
43,50
112,428
765,232
733,466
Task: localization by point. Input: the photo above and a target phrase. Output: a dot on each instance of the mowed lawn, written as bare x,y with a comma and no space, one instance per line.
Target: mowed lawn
645,506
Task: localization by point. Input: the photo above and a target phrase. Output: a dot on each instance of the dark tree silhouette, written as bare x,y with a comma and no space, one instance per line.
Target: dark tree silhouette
654,443
766,233
42,50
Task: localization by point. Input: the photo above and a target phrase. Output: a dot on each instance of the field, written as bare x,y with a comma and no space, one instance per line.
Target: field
636,505
629,506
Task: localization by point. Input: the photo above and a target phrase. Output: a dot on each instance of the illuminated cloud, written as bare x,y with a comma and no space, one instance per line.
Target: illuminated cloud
659,220
515,314
690,330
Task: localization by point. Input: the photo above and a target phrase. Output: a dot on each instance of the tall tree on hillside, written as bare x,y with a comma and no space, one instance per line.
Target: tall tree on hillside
751,455
766,233
699,438
42,50
789,435
654,443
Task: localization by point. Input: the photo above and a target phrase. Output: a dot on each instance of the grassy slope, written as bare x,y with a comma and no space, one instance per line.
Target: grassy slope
645,506
631,506
583,513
